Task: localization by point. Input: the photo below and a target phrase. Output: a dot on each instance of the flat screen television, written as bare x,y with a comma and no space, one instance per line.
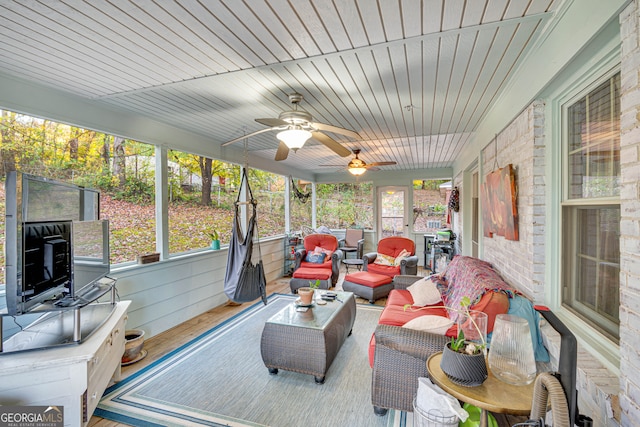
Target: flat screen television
46,263
52,231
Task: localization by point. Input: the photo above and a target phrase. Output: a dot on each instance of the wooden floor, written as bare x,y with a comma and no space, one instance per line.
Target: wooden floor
167,341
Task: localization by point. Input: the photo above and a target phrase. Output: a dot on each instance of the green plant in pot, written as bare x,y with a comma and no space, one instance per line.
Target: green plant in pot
306,293
463,358
215,239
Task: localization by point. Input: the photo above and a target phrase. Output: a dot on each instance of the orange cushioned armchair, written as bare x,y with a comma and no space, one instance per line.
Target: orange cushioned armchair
390,260
328,243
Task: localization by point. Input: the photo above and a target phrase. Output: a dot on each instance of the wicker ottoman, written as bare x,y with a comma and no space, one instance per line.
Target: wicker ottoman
308,342
304,275
368,285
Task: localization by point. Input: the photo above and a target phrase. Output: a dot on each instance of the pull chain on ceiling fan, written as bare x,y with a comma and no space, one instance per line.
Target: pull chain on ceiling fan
295,127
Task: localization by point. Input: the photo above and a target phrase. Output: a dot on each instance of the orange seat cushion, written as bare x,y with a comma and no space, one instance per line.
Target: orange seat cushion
312,273
326,264
367,278
395,314
387,270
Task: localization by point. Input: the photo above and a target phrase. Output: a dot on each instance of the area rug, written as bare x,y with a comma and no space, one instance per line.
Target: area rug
219,379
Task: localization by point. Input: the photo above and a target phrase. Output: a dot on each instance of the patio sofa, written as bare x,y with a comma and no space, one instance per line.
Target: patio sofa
398,354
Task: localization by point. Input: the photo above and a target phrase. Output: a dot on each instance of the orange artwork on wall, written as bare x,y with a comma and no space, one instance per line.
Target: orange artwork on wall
499,212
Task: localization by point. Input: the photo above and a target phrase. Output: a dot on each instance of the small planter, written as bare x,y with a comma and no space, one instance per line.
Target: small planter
215,245
306,296
464,369
133,342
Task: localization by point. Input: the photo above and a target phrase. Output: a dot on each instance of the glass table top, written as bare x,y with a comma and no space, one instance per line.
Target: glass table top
316,317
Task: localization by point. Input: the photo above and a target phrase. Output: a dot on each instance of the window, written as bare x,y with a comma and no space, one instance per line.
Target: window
591,207
300,205
430,204
345,205
202,193
268,189
122,169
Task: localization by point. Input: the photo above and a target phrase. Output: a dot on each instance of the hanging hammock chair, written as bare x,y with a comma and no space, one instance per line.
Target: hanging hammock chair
244,281
303,197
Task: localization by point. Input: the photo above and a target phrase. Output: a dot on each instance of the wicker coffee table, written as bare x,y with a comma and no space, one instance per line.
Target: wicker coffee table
308,342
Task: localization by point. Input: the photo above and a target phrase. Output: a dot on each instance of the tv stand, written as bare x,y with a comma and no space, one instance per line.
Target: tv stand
65,320
73,377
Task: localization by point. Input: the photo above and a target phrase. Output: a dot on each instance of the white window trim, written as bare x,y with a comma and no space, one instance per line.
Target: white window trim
578,84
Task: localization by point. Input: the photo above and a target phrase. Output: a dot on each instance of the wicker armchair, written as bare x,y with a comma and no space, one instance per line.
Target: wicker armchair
325,241
400,359
392,246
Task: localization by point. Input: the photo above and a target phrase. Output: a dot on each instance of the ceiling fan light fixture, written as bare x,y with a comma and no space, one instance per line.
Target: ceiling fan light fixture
357,171
356,166
294,138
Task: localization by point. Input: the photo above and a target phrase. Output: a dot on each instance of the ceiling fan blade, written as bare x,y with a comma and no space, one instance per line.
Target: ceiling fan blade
283,151
272,122
336,129
381,163
240,138
336,147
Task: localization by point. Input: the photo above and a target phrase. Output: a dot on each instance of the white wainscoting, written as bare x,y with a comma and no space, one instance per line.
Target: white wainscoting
170,292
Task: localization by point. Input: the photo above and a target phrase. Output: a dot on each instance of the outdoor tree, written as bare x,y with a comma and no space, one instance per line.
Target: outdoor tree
119,160
205,174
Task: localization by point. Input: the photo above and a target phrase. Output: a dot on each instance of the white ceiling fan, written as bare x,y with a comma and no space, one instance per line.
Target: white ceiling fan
357,166
295,127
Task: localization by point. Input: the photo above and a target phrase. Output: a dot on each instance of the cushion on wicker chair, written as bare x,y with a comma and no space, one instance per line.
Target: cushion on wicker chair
368,279
312,273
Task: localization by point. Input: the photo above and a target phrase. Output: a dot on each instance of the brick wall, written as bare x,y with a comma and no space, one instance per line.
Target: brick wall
521,144
630,212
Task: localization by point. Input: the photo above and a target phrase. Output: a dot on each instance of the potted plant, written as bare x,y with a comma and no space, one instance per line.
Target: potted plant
306,293
464,357
215,239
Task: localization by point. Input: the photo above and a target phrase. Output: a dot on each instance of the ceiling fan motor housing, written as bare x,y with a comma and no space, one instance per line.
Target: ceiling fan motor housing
356,163
301,118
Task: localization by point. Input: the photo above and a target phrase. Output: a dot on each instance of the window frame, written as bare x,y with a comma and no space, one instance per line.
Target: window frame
571,85
583,72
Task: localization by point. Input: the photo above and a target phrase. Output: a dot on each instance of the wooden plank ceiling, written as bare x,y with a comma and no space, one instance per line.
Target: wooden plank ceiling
412,77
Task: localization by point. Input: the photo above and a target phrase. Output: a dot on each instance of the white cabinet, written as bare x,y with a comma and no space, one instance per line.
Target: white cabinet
73,376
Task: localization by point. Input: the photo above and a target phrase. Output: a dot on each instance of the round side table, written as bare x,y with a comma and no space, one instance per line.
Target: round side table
492,395
351,262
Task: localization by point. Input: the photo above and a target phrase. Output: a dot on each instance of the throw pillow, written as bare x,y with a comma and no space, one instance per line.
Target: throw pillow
402,255
424,292
327,252
383,259
316,258
430,323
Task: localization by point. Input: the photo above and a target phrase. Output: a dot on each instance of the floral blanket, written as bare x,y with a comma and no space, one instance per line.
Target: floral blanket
470,277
